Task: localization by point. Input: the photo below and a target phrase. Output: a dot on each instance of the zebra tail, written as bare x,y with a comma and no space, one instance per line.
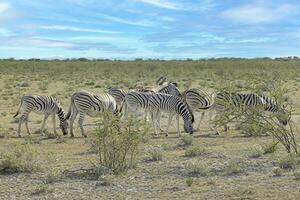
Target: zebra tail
18,111
70,109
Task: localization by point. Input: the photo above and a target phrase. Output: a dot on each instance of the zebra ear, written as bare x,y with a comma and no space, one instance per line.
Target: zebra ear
174,83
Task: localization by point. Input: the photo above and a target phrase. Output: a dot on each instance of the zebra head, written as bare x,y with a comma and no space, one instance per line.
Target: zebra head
188,122
64,126
283,116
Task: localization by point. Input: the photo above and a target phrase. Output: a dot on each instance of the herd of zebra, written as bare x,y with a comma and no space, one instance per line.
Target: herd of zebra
166,98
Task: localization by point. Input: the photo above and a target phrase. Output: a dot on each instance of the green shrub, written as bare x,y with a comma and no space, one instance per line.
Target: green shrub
116,141
256,152
194,150
197,167
234,167
155,153
277,171
186,140
23,158
269,148
288,162
189,181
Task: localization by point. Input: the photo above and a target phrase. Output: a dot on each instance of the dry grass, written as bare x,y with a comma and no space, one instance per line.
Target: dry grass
231,167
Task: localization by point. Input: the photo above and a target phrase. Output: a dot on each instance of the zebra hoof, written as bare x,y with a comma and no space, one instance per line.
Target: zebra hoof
85,136
167,135
217,133
72,136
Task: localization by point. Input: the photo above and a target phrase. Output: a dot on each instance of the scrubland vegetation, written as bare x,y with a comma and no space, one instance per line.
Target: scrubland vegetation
121,159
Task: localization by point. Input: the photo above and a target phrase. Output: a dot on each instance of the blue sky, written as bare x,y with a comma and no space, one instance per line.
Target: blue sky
164,29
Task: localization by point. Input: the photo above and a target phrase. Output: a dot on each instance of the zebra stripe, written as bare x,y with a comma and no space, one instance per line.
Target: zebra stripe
224,100
87,103
173,105
198,101
46,105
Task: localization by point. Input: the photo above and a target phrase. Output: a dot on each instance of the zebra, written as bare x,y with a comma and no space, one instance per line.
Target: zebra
174,105
87,103
198,101
245,101
137,101
158,102
47,105
171,89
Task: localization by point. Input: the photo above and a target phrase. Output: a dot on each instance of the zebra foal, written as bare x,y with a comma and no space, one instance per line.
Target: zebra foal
47,105
87,103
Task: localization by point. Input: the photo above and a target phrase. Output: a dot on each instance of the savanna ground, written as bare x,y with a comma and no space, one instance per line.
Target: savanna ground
228,166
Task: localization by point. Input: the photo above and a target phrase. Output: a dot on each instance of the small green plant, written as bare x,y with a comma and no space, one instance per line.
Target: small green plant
43,85
23,158
116,141
155,153
277,171
296,174
194,150
42,189
196,167
186,140
288,162
234,167
189,181
256,152
269,147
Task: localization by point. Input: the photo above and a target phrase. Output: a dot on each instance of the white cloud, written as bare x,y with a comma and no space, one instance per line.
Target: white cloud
72,28
3,7
145,23
162,4
4,32
258,13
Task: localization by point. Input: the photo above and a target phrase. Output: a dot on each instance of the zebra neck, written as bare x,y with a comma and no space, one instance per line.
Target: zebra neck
60,113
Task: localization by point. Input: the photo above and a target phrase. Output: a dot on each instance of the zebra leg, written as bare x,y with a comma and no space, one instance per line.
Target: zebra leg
72,119
80,122
212,115
169,122
26,124
21,119
154,122
158,121
178,128
44,123
54,124
201,118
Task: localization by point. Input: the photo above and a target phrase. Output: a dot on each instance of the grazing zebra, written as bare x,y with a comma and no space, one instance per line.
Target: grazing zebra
86,103
173,105
198,101
223,100
47,105
158,102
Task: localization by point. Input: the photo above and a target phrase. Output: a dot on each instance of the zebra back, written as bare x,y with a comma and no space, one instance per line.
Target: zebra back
197,99
170,89
118,94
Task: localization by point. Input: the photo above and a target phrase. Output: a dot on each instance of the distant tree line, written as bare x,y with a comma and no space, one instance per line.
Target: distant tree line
82,59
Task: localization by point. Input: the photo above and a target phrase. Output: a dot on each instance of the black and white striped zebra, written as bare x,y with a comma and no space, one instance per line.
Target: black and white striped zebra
198,101
47,105
173,105
137,102
171,89
87,103
156,103
225,100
